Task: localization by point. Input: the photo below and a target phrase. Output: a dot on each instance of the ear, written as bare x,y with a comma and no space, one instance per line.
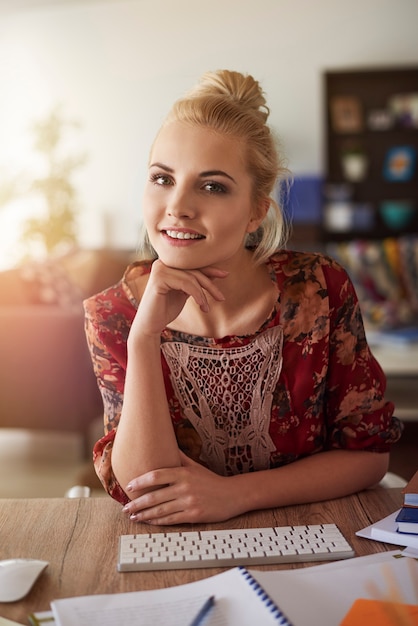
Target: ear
259,213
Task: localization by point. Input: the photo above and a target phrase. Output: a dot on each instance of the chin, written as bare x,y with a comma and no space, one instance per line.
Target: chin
180,263
184,266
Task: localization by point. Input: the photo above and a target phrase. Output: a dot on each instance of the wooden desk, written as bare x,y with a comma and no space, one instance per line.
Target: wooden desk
79,539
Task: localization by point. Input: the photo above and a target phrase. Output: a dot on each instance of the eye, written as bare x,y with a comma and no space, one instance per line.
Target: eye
161,179
214,187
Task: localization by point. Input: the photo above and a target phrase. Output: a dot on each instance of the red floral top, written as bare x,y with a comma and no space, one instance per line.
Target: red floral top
305,382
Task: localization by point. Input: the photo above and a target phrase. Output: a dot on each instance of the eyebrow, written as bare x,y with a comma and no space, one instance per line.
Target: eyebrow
170,170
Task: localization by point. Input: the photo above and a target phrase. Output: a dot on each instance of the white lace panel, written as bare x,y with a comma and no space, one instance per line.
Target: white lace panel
226,394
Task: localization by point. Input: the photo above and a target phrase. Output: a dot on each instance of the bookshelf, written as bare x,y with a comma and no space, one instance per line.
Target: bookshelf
371,153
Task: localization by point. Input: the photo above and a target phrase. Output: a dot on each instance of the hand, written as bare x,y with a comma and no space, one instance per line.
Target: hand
187,494
167,291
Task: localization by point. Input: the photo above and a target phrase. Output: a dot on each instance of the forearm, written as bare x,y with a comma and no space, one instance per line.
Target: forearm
319,477
145,438
193,494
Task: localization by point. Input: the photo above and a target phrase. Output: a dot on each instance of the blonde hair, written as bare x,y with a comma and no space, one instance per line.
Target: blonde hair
233,104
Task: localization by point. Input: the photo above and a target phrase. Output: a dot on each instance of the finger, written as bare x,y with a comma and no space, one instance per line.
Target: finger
205,284
158,514
143,509
153,479
147,500
194,283
167,512
203,277
189,284
173,519
156,508
210,287
172,512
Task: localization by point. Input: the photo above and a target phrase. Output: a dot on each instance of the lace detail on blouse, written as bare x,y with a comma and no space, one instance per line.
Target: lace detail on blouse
227,394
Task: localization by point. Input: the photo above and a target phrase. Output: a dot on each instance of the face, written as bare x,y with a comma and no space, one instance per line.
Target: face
198,204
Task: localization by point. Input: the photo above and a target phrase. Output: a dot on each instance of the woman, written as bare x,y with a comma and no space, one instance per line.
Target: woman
234,376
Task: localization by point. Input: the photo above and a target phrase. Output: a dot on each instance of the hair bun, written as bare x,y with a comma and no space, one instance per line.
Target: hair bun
240,88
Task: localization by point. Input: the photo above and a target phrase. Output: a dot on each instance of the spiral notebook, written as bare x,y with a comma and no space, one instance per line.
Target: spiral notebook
239,599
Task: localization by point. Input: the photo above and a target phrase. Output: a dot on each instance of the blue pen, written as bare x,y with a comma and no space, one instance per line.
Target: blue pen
208,605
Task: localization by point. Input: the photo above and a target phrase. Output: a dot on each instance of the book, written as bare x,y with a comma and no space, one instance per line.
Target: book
386,530
239,599
410,491
407,520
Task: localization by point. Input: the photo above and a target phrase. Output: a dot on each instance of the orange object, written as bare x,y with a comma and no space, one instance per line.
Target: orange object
381,613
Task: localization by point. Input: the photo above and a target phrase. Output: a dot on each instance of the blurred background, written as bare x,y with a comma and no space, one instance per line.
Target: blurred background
110,69
84,87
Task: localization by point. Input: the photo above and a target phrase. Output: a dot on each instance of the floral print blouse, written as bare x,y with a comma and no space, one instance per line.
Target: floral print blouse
305,382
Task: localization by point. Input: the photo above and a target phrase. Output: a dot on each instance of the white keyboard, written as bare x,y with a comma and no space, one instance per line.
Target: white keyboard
229,548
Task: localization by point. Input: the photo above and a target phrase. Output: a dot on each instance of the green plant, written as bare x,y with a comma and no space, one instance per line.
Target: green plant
57,228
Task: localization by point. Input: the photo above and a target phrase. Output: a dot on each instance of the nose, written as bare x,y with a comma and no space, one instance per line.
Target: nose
181,203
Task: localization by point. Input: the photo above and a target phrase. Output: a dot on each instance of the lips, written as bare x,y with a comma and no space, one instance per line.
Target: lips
180,234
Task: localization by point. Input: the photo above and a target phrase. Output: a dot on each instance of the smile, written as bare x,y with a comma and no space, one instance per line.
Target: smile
178,234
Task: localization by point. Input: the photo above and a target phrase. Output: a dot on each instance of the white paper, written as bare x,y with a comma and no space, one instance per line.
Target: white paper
235,604
328,591
412,552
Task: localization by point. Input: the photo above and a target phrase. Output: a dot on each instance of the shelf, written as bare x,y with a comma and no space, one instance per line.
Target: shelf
373,111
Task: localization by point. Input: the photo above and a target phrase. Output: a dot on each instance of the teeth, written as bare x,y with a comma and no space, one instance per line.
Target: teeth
176,234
